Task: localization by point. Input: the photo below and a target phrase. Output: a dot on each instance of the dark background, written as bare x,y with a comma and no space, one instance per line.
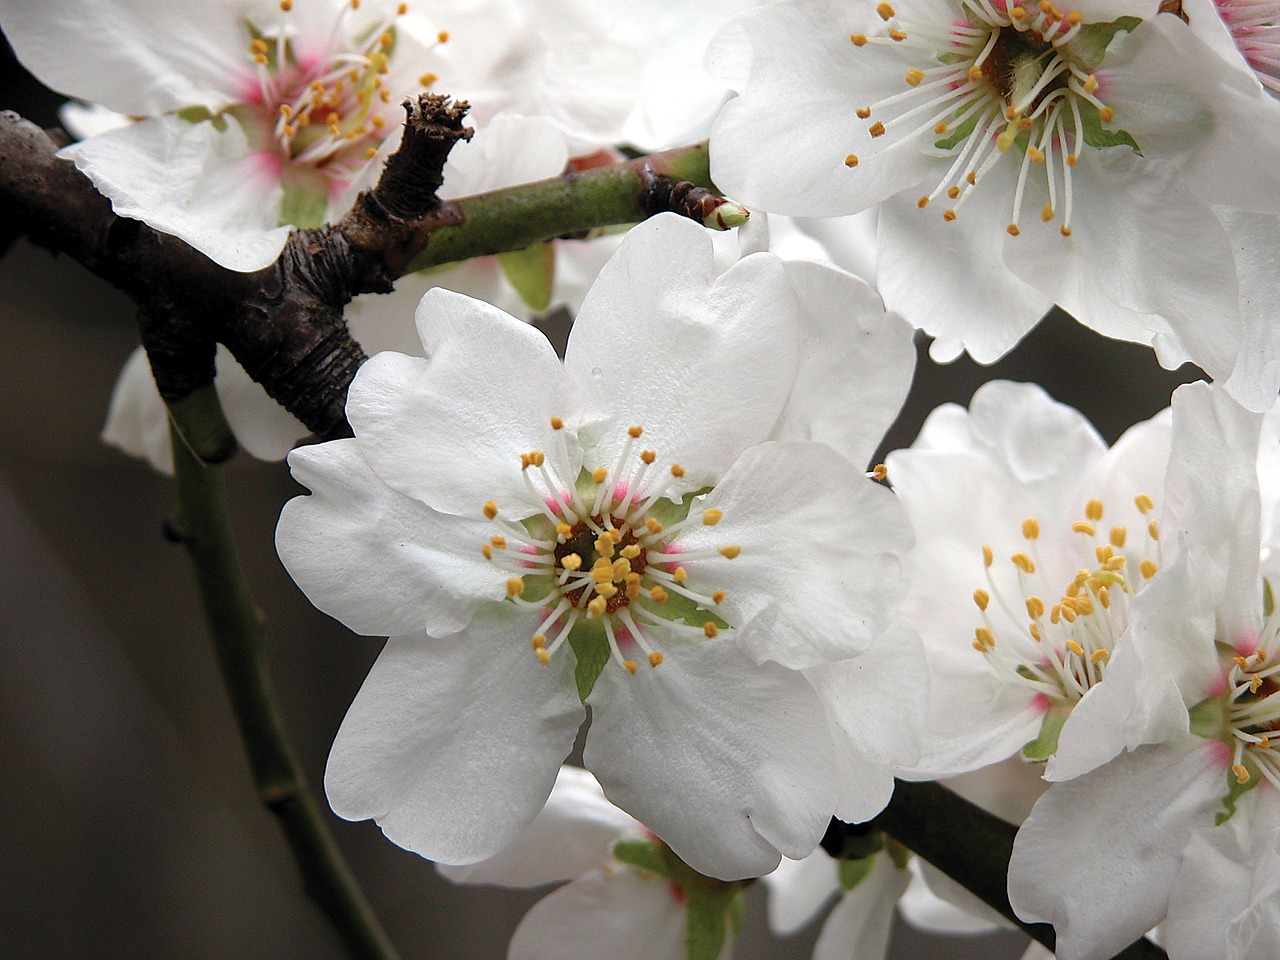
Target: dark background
128,824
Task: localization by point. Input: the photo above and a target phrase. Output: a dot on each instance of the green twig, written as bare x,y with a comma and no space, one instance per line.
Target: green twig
970,846
520,216
236,626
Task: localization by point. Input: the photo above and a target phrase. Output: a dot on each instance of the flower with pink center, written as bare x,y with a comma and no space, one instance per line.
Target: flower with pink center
657,528
253,116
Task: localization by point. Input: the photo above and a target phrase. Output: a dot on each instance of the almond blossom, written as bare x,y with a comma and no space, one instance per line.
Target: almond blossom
656,528
254,116
1171,814
1022,156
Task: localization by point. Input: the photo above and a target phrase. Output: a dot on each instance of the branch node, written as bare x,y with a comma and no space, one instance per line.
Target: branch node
660,194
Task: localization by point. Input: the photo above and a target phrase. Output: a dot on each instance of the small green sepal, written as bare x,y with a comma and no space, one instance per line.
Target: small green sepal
532,271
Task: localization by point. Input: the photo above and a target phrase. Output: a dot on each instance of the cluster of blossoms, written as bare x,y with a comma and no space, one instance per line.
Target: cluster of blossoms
672,530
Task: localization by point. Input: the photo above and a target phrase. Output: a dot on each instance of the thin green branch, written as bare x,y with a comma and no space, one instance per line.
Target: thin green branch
236,627
973,848
515,218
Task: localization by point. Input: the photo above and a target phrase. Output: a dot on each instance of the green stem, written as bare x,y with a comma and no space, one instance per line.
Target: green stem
236,627
973,848
517,217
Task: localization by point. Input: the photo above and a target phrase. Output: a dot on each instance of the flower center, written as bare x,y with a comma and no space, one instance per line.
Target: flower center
320,105
1065,646
1255,27
604,556
1015,81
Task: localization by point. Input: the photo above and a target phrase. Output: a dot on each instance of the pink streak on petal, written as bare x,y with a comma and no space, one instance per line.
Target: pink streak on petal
1219,752
1041,703
269,164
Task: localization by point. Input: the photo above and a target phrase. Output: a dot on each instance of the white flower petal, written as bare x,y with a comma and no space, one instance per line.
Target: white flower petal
1098,855
449,430
856,357
1211,889
627,913
201,184
138,57
725,760
381,562
932,903
858,928
137,420
453,745
262,426
799,889
781,503
1254,238
573,834
704,362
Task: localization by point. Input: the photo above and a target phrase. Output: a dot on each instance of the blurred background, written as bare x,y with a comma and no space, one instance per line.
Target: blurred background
128,823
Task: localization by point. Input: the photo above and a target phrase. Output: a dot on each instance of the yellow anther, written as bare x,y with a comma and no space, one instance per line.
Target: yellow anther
953,192
1005,141
386,39
1153,530
355,4
1241,662
851,160
258,47
1241,772
1118,536
679,575
563,529
981,598
370,153
491,510
427,79
653,526
1035,608
286,5
1104,597
604,546
557,423
543,656
897,35
1090,84
571,561
1144,503
1255,684
657,595
879,472
940,128
711,517
1104,552
538,640
621,567
443,36
1068,614
607,590
1106,114
975,73
286,111
677,470
599,475
885,10
630,665
635,432
922,202
1031,528
402,9
1037,156
1023,562
914,76
515,586
718,597
537,457
710,629
602,572
987,556
1147,569
1055,613
1011,113
655,658
984,639
1047,213
730,552
971,177
487,551
948,215
863,112
648,456
1075,648
1083,526
1099,656
1075,17
1064,230
1034,631
876,129
1018,13
1115,563
631,551
632,587
858,39
597,607
1093,510
499,543
1071,162
1264,743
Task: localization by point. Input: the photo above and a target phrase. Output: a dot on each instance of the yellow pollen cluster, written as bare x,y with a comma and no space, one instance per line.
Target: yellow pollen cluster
595,554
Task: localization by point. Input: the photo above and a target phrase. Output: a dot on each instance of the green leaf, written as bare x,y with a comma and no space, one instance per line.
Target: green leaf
1268,598
708,920
1090,44
645,854
304,206
592,652
1095,135
1044,745
853,872
957,134
532,271
1235,790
